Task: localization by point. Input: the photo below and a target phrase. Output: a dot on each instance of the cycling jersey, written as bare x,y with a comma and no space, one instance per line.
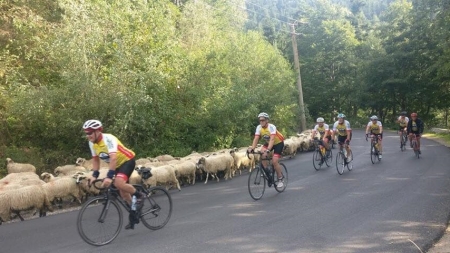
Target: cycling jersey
321,129
108,144
415,126
342,128
266,132
403,122
375,128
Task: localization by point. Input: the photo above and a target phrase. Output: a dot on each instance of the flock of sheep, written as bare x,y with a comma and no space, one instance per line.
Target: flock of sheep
23,190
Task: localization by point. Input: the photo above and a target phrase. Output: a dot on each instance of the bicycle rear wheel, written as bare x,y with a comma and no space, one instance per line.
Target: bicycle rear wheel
256,183
415,148
285,178
99,221
404,138
157,208
340,163
317,160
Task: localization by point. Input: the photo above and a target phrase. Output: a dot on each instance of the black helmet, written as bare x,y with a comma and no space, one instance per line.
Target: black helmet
403,113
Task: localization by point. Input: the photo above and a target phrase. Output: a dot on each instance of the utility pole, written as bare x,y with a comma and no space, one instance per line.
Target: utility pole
299,79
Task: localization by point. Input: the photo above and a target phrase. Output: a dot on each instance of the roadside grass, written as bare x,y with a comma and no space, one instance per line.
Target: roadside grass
444,137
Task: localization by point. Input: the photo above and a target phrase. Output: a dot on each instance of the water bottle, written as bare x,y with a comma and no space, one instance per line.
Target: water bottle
133,203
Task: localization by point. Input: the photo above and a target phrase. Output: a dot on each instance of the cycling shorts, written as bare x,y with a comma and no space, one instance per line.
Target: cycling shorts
277,149
126,169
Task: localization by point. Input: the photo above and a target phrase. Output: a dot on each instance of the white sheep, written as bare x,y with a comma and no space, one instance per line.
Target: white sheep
290,148
61,188
215,164
82,178
143,161
22,199
22,176
186,169
165,158
68,170
164,175
14,167
242,161
88,163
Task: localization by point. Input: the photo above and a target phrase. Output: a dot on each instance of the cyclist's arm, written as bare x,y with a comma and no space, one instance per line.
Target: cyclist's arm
272,139
112,161
381,129
421,127
313,133
95,163
367,128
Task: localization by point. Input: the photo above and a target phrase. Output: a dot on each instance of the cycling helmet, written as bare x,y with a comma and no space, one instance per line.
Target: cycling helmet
341,116
374,117
92,124
263,114
403,113
413,114
320,120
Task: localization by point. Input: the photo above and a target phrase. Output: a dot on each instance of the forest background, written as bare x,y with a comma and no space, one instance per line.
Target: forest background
180,76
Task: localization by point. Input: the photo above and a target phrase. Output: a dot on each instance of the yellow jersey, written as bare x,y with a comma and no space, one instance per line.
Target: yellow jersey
108,144
403,122
342,128
321,129
375,128
266,132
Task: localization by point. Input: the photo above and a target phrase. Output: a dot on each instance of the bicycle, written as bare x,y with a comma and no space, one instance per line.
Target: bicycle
260,175
321,155
100,218
404,138
415,146
374,150
341,159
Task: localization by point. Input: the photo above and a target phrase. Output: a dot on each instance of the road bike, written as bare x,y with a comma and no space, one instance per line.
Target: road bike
415,146
374,148
100,219
321,155
404,138
343,159
260,176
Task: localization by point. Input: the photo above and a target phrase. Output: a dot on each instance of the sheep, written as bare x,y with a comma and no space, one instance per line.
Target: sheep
143,161
216,163
82,178
186,169
165,158
68,170
290,148
162,175
22,199
14,167
22,176
88,163
61,188
241,161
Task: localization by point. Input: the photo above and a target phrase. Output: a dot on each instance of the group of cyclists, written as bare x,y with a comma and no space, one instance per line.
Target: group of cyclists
121,159
413,127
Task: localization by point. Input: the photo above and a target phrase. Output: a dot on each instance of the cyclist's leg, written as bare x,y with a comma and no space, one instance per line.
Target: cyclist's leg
277,149
400,133
410,136
123,173
326,142
264,156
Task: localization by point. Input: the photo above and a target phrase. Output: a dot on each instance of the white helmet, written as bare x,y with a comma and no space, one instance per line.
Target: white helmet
263,114
92,124
374,117
320,120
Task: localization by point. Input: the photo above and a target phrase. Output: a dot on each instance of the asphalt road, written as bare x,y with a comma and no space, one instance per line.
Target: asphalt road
386,207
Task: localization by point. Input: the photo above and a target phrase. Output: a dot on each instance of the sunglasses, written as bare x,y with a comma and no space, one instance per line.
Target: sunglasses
89,133
261,120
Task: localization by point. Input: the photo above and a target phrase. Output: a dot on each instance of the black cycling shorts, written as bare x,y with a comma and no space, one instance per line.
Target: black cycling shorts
342,139
277,149
126,169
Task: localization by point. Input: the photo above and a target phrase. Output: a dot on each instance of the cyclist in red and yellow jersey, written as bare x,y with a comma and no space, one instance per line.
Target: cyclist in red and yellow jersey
120,159
274,140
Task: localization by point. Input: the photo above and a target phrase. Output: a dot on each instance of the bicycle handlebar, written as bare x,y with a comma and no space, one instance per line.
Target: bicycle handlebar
93,183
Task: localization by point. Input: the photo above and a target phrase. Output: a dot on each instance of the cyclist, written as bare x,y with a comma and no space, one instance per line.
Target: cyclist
403,122
415,126
342,128
376,128
120,159
324,131
274,140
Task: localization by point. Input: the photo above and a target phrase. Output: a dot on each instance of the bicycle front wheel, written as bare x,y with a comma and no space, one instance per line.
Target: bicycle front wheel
157,208
340,163
99,221
329,157
373,154
285,178
350,161
317,160
256,183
